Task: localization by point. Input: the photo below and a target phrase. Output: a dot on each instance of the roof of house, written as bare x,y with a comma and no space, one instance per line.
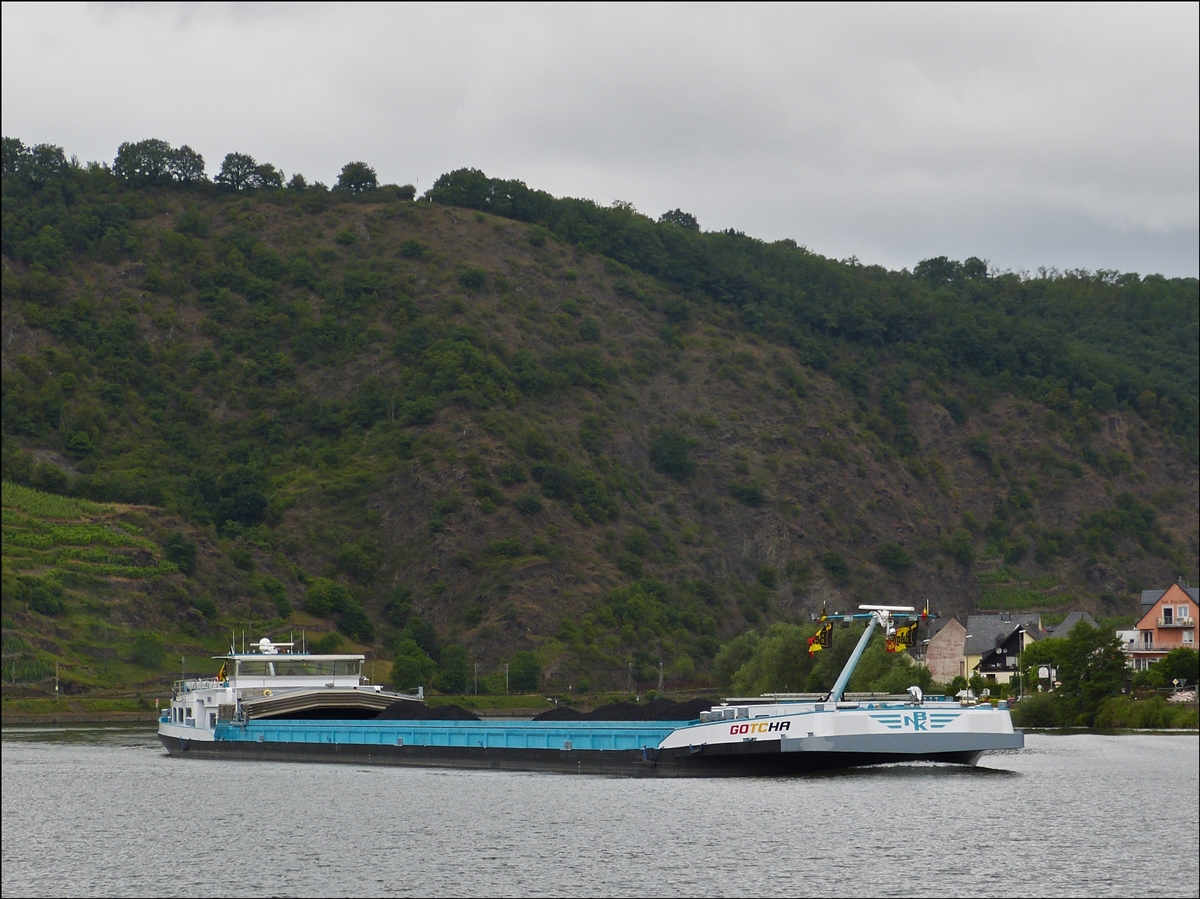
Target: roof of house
986,632
937,624
1070,621
1150,597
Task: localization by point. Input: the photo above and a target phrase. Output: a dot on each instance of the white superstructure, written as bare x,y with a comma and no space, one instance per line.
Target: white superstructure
267,682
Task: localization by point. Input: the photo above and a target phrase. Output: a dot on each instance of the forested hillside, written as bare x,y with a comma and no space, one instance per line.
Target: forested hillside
488,426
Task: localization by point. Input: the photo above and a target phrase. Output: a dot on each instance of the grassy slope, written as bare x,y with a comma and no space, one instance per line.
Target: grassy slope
395,504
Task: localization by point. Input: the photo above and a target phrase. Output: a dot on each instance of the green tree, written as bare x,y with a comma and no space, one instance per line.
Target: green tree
835,563
1180,664
681,219
326,644
151,162
324,597
144,163
669,455
43,594
398,606
356,177
1041,653
33,165
412,667
186,166
181,551
242,497
524,673
893,557
237,171
1036,710
779,662
637,541
959,546
352,620
732,656
1091,668
267,176
454,671
748,492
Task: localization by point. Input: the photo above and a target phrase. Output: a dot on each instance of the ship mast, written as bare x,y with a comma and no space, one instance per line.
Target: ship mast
879,615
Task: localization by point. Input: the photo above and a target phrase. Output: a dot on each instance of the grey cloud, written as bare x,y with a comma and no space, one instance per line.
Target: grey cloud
1030,135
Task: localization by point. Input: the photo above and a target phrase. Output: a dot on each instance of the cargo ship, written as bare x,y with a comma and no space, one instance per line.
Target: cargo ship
273,704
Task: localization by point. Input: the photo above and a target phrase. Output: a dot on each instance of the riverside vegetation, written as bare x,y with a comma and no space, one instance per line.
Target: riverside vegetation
491,435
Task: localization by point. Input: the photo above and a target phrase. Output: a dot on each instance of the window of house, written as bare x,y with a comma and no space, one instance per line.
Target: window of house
1189,637
1168,614
1182,612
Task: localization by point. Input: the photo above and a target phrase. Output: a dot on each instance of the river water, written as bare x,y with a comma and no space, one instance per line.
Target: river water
103,811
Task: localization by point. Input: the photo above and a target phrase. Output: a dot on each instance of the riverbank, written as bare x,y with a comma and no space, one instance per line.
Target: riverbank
142,717
14,712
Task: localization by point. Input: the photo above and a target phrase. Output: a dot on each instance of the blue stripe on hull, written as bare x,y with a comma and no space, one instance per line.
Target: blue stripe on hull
579,735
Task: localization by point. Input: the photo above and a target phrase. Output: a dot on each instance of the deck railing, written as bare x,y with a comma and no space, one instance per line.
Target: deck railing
197,683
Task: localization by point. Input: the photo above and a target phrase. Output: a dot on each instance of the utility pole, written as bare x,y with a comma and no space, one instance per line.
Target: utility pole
660,676
506,678
631,677
476,678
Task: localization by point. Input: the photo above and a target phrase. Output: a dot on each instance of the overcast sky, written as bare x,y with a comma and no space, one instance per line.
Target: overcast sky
1032,135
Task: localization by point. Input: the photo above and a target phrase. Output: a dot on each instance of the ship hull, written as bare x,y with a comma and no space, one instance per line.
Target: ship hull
728,760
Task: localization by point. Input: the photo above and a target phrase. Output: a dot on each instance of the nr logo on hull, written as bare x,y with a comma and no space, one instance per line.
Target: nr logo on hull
916,721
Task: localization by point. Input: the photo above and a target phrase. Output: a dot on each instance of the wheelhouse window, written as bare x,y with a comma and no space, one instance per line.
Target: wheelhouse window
299,666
